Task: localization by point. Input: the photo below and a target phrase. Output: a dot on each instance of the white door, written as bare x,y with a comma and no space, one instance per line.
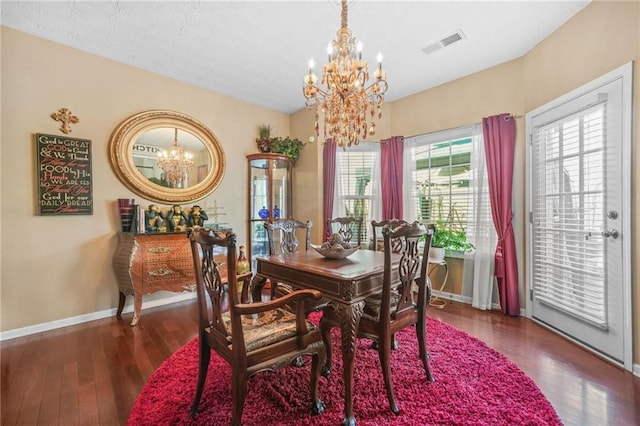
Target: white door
579,231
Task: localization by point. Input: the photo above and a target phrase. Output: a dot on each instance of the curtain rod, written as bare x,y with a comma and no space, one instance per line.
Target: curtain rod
457,127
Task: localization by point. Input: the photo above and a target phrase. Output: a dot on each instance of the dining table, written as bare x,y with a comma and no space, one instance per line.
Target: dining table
344,282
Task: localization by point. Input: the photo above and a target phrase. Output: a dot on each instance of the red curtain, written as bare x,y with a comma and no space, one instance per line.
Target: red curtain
499,133
328,183
391,155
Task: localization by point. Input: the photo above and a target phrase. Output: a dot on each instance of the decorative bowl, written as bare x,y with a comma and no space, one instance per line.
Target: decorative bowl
335,252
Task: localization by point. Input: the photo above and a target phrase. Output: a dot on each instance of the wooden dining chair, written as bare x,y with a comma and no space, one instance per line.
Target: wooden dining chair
397,308
284,237
345,226
377,227
251,337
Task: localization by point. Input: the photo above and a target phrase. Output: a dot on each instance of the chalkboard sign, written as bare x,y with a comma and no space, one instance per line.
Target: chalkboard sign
64,175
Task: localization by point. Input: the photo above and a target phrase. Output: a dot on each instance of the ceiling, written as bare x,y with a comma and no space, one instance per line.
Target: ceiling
258,51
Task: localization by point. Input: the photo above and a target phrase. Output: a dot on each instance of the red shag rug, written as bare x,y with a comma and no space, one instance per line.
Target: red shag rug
475,385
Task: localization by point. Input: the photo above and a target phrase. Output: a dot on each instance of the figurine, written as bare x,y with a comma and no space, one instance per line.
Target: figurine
197,216
177,219
153,219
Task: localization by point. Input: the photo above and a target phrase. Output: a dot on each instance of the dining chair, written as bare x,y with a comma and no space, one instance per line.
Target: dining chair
397,308
284,237
251,337
345,226
377,227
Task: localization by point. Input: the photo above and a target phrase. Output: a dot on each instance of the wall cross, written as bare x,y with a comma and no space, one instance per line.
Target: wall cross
66,118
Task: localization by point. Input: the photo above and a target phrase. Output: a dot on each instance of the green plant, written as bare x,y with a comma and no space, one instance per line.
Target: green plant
264,138
450,233
449,239
264,131
287,146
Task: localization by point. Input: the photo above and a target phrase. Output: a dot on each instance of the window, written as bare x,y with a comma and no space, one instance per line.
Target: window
437,178
357,184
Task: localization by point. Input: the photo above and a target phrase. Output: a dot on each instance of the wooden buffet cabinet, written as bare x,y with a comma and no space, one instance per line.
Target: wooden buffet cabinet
146,263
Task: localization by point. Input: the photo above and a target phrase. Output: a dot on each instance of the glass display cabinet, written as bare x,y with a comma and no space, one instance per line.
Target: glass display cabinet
269,198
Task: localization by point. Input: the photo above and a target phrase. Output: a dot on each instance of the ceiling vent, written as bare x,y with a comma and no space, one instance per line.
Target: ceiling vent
447,41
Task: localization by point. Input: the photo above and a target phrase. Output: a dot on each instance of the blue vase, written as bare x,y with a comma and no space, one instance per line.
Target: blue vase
276,212
263,213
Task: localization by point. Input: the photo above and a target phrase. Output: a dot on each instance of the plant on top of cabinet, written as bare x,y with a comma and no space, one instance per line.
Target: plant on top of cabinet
264,137
287,146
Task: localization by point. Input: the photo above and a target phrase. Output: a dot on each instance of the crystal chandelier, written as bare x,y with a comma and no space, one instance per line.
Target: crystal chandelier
175,164
347,101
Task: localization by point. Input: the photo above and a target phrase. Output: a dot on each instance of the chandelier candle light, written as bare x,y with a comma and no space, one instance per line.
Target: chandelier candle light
175,164
347,100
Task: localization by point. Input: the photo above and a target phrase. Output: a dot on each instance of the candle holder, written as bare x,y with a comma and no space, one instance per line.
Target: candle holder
126,209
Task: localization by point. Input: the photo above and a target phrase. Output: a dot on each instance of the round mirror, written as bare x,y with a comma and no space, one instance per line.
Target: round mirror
167,156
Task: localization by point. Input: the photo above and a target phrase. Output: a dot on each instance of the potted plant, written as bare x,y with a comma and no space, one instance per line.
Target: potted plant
264,138
287,146
447,239
450,234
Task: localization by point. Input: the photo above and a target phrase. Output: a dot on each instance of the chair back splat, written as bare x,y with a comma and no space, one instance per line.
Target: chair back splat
397,306
377,227
282,235
347,227
251,337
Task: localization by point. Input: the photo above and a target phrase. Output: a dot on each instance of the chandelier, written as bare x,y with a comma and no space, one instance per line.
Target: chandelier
175,164
349,106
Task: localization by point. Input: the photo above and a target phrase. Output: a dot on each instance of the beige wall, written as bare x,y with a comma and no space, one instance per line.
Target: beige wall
56,267
62,265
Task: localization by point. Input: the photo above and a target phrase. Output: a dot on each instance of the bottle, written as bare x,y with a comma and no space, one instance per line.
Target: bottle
276,212
242,264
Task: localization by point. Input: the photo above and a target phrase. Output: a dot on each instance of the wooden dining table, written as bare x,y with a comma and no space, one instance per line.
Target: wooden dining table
344,282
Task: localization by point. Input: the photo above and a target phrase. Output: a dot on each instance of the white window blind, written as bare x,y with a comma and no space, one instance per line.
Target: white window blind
568,204
357,185
440,176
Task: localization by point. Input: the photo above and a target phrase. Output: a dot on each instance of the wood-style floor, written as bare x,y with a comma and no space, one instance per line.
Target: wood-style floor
91,374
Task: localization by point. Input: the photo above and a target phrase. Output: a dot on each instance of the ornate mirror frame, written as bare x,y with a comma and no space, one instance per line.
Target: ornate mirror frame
124,138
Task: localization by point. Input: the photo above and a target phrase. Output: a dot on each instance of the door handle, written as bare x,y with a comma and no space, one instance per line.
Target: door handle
613,233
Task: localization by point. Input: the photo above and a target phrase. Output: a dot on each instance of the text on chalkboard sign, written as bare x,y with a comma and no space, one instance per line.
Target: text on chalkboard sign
64,169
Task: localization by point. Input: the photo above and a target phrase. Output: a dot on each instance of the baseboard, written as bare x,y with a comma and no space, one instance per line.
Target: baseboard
450,296
66,322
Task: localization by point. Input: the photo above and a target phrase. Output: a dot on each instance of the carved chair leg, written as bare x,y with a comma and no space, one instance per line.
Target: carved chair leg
325,330
384,353
317,405
422,345
238,392
203,367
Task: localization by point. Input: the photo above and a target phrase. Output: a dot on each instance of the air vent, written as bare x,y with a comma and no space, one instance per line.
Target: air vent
447,41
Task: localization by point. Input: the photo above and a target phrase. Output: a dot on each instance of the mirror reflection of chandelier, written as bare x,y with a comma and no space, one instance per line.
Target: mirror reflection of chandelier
175,164
346,102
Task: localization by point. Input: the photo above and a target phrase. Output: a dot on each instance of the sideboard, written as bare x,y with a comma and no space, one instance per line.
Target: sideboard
146,263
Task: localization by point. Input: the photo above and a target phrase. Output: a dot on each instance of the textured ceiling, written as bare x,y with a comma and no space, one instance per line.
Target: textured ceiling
258,51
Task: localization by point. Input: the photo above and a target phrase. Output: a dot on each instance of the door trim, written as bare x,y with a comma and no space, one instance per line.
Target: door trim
624,72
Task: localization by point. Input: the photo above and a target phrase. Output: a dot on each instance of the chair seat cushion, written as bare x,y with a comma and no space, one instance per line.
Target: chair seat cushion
266,328
372,305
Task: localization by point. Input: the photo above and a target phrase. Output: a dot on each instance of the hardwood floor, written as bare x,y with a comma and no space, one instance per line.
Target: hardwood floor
91,374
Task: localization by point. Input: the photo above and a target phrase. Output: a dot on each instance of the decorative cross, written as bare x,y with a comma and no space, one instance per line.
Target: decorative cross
65,117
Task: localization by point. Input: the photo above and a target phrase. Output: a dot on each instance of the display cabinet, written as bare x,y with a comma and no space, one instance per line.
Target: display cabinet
270,198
